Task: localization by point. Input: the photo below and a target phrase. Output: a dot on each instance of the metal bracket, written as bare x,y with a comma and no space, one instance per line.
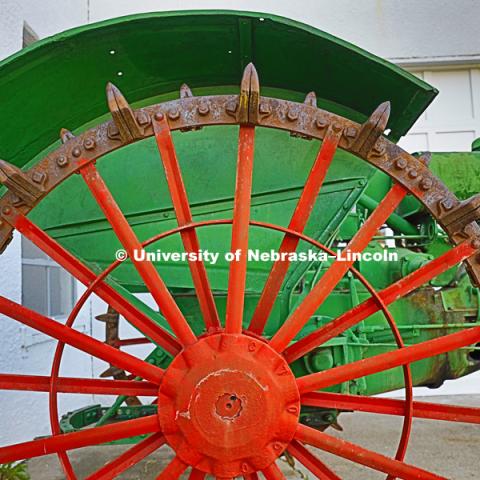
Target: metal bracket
20,184
466,212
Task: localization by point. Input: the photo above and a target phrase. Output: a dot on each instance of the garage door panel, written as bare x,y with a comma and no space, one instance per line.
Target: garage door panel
452,121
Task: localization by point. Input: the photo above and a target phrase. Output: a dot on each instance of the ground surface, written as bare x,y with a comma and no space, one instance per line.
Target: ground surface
449,449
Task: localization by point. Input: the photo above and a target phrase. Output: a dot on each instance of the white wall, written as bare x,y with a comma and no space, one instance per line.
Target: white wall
402,30
45,17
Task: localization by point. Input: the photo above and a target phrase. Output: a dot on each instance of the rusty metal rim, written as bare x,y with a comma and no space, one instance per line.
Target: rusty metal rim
188,113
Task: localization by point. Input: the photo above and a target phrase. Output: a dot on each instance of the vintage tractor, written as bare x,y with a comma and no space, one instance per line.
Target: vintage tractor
252,357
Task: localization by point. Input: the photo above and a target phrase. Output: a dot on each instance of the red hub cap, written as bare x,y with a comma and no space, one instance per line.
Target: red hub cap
229,405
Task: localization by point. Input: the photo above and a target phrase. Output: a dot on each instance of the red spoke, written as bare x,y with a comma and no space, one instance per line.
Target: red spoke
173,470
130,242
337,270
196,474
360,455
83,438
297,223
311,462
80,341
37,383
390,406
184,217
241,219
386,361
388,295
86,276
129,458
273,472
251,476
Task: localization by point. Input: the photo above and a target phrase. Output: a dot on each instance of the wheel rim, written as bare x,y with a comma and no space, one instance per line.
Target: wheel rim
281,431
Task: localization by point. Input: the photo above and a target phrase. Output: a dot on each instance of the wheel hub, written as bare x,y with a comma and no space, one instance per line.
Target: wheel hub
229,405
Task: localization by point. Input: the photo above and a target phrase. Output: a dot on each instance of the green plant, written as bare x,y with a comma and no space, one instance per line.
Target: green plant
14,471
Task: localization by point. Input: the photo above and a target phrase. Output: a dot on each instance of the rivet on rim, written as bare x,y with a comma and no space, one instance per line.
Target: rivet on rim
350,132
39,177
142,118
292,115
203,109
265,108
89,144
401,163
426,184
174,114
321,123
62,161
231,107
76,152
446,203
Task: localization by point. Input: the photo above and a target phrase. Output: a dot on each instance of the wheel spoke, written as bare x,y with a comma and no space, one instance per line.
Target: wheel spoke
298,221
196,474
361,455
129,458
273,472
37,383
390,406
311,462
337,270
388,295
184,217
86,276
173,470
386,361
130,242
83,438
251,476
80,341
241,219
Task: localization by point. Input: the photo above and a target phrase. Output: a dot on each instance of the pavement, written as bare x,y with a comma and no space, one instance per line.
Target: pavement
446,448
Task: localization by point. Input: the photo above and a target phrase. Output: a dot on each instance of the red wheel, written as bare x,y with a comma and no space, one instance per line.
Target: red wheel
229,404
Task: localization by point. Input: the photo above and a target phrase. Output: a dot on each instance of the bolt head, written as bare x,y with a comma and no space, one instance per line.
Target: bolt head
89,144
174,114
426,184
62,161
203,109
76,152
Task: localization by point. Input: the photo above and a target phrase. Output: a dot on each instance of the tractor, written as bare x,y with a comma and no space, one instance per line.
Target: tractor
242,170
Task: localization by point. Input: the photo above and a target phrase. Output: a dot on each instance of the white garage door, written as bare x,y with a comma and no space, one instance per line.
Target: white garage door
452,121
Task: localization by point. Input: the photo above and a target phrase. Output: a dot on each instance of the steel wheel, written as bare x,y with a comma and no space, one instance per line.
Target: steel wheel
210,397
